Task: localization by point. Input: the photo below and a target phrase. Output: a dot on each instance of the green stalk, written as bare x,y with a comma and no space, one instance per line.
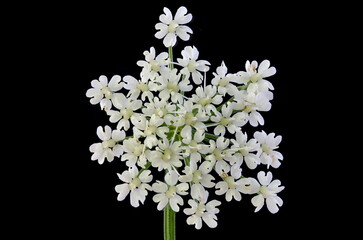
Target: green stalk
169,223
171,65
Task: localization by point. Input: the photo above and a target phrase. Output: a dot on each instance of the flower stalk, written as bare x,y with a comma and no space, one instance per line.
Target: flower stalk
169,223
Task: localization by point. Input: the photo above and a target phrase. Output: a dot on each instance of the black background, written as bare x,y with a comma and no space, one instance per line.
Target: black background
74,196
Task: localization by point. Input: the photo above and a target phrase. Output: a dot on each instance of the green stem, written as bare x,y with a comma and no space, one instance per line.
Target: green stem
171,65
169,223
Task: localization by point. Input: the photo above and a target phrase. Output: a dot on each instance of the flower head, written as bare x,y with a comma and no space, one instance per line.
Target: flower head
171,27
136,183
268,190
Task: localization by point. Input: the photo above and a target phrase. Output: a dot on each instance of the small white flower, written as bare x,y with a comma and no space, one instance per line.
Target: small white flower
109,148
136,87
127,108
159,107
191,65
194,145
189,115
170,27
102,91
206,98
135,183
268,190
134,150
256,74
268,144
169,85
202,211
198,175
251,102
226,120
149,129
169,192
232,185
167,156
225,81
219,153
152,65
244,150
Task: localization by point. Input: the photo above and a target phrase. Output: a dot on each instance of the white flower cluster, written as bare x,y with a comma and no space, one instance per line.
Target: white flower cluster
195,138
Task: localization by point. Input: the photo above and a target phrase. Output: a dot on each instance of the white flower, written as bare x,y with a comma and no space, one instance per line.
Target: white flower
136,87
232,185
201,210
109,148
189,115
225,81
159,107
169,85
153,65
268,144
102,91
171,27
198,175
268,190
244,150
134,183
194,145
149,129
127,108
134,151
191,65
206,98
257,75
167,156
169,192
219,153
251,102
226,120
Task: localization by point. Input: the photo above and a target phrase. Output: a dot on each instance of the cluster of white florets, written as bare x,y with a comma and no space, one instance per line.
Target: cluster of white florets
195,138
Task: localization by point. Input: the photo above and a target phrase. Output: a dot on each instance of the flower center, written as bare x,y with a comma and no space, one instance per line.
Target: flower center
173,86
225,121
134,183
193,145
192,65
218,154
172,26
200,210
142,86
190,119
205,101
255,77
230,181
223,82
267,149
107,92
108,143
155,65
138,150
160,112
126,113
167,155
197,176
171,192
150,130
265,192
243,152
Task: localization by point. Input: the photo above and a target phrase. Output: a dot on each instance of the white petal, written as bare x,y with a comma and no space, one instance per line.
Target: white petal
169,40
209,220
264,65
122,190
115,84
167,17
160,187
258,201
272,203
